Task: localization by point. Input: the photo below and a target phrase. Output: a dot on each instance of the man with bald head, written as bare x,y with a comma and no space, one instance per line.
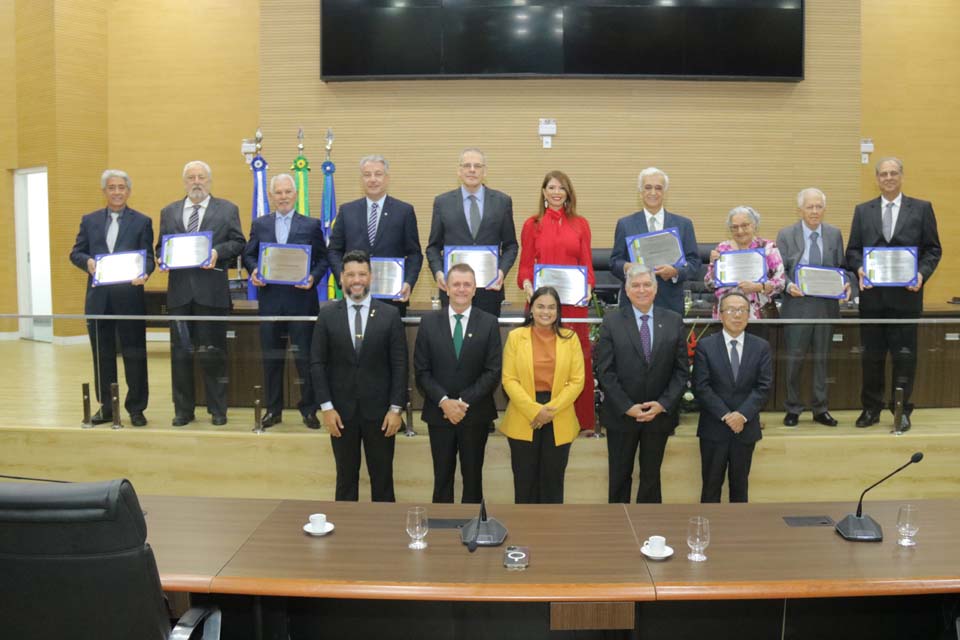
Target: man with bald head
200,291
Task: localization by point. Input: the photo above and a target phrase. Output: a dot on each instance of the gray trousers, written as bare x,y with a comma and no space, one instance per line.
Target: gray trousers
800,339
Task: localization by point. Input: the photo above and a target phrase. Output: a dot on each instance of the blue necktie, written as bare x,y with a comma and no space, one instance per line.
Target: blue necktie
645,341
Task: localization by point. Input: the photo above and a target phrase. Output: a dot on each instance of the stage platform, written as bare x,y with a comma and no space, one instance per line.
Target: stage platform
40,436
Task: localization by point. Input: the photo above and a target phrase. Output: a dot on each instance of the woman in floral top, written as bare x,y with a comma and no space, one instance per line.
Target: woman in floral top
743,223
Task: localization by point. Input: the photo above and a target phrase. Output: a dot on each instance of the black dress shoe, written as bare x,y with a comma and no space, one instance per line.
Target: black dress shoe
138,420
311,421
868,418
267,420
904,423
825,419
219,420
791,419
181,421
100,417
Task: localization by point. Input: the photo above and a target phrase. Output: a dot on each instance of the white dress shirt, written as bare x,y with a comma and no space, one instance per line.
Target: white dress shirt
188,211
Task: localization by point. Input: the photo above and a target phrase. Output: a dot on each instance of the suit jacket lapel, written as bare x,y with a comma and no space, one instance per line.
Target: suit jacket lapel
723,352
903,216
661,339
876,218
382,222
344,325
633,332
207,224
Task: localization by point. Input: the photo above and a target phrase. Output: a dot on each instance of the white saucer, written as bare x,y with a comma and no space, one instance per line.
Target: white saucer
667,552
309,529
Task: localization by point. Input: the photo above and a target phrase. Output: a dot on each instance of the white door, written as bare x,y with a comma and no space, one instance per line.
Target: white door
33,254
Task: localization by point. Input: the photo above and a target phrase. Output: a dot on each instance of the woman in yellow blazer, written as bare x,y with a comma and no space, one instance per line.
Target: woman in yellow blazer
542,376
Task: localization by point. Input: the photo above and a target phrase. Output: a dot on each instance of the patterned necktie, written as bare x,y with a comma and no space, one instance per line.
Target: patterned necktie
372,223
357,327
645,341
653,226
734,359
458,334
888,221
194,225
814,256
113,230
474,216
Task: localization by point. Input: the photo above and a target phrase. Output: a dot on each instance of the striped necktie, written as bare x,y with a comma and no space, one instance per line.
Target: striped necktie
372,223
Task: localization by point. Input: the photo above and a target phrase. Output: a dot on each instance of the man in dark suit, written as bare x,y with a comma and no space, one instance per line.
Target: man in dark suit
359,367
653,184
113,229
810,241
379,224
200,291
732,375
286,226
473,215
892,220
457,360
642,368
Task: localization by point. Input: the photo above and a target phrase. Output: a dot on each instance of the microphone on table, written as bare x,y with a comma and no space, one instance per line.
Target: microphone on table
861,528
482,531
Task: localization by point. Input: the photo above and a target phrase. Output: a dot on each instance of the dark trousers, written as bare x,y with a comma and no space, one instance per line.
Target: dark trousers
489,301
900,340
273,344
207,341
401,306
133,348
539,466
377,451
622,446
725,457
470,442
800,339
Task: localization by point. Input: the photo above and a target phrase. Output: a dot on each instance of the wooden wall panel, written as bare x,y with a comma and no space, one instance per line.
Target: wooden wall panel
8,158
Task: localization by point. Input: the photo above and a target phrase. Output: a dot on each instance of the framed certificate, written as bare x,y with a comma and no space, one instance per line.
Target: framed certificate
186,250
734,267
284,263
120,267
657,249
485,260
821,282
890,266
570,282
386,278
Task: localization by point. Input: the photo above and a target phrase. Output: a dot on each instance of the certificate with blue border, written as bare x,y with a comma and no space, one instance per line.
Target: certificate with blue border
743,265
186,250
821,282
284,263
119,268
386,280
569,281
485,260
890,266
657,249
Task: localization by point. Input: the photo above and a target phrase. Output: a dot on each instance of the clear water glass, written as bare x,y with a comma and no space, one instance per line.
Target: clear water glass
698,538
907,525
417,527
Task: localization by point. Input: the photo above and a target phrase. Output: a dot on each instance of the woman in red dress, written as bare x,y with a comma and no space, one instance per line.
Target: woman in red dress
557,235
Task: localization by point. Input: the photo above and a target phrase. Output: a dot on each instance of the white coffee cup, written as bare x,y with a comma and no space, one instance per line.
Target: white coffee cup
657,545
318,521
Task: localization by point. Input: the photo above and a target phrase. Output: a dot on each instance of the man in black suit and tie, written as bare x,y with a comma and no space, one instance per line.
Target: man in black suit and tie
892,220
359,367
653,184
112,229
457,360
473,215
810,241
642,368
286,226
200,291
379,224
732,375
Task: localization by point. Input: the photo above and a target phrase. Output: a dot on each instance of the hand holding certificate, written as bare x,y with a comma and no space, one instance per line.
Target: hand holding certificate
120,267
570,282
890,267
484,259
284,263
186,250
657,249
821,282
734,267
386,280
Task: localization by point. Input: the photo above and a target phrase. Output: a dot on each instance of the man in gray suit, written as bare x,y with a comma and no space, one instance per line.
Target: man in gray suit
200,291
473,215
810,241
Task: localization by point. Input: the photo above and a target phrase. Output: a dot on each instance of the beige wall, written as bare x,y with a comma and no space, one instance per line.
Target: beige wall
8,158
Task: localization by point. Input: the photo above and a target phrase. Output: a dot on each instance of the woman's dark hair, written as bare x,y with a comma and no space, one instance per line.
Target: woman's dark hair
547,291
570,206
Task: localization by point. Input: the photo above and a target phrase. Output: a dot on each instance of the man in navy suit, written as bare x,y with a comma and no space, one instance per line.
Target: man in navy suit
380,225
473,215
359,367
457,359
892,220
286,226
653,184
732,375
116,228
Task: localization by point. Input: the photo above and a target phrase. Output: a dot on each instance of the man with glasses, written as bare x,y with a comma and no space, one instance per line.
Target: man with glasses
892,220
473,215
732,376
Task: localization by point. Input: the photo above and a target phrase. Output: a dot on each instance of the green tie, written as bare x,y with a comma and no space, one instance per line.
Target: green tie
458,334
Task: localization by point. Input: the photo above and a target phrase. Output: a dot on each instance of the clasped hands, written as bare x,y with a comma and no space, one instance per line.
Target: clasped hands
544,416
735,420
645,411
454,409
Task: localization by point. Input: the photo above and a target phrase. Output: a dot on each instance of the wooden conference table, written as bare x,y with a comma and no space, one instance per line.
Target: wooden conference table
585,559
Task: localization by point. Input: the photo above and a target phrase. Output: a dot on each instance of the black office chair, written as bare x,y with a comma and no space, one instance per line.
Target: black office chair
74,563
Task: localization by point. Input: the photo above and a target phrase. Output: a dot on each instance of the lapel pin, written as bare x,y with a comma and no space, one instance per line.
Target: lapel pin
469,335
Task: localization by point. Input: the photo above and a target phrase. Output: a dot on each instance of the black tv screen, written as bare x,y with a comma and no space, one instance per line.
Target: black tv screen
721,39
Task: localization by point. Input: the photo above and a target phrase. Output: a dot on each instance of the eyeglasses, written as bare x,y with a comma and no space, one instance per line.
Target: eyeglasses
472,165
888,174
735,311
741,227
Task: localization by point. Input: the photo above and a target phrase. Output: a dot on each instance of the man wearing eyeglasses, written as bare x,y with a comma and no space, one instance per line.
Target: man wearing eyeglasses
732,376
475,215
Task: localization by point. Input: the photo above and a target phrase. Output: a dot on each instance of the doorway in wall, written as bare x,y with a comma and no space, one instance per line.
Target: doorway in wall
33,254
